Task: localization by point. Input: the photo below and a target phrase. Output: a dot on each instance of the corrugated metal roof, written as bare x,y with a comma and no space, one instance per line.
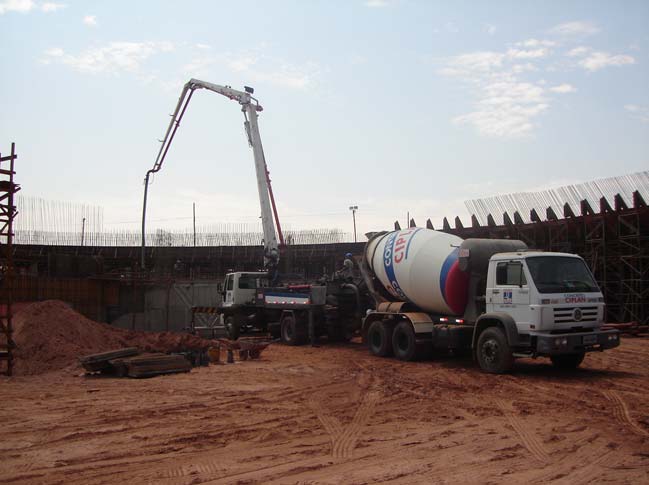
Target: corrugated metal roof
524,202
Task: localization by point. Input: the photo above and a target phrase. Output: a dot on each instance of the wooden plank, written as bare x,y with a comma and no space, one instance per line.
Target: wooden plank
152,365
101,361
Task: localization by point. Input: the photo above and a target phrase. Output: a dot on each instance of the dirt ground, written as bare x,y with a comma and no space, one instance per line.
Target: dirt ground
334,414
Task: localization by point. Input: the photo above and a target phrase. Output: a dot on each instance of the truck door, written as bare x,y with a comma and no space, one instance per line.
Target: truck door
511,293
229,290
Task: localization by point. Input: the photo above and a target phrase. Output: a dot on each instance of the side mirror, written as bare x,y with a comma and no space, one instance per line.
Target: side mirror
219,287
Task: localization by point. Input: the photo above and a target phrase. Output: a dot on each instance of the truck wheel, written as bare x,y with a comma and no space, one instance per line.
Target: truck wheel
494,354
379,338
232,327
568,361
404,343
292,333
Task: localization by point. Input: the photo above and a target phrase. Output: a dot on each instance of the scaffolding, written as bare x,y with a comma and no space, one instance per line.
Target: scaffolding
7,214
612,237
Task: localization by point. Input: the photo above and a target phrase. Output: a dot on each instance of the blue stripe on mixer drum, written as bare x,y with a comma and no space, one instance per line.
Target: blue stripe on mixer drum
388,264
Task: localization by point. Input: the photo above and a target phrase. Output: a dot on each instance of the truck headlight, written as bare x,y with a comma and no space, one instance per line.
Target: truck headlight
612,337
559,342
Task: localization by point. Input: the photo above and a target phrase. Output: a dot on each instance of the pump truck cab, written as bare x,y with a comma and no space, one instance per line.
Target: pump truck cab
292,312
493,297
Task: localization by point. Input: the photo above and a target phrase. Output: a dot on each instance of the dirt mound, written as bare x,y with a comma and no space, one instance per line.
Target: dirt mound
50,335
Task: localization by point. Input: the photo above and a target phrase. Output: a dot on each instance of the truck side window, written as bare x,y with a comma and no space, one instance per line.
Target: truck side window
230,283
247,283
501,274
510,274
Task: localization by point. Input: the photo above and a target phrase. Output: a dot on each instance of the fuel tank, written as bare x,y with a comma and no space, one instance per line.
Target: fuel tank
420,266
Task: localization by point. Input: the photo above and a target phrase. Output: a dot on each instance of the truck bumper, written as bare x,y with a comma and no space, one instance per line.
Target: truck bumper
572,343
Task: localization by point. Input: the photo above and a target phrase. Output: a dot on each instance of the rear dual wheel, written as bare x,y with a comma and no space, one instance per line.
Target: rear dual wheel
293,332
379,338
385,339
404,343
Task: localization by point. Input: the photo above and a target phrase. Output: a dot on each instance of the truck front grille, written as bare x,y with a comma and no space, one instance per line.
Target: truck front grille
567,314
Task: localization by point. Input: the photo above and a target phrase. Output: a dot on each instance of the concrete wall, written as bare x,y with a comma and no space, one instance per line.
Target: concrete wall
169,307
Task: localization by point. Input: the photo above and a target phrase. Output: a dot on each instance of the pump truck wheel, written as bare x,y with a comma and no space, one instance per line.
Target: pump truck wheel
568,361
292,333
232,327
379,338
493,352
404,343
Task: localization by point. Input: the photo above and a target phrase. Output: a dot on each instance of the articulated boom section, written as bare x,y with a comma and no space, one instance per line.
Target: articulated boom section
250,107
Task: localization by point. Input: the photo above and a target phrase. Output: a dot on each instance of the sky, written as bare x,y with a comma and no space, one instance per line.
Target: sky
395,106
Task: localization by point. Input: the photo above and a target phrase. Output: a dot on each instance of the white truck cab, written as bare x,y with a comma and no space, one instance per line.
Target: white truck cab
540,304
544,291
240,288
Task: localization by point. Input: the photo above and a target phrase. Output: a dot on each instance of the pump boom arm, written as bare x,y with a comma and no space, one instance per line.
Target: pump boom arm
250,107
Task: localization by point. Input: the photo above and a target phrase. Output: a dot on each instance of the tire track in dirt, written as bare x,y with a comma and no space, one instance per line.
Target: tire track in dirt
571,471
290,471
210,468
530,441
345,444
343,439
621,413
329,423
586,473
268,472
581,454
272,472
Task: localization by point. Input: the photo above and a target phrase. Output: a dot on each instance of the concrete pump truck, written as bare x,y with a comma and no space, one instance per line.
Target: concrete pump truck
256,300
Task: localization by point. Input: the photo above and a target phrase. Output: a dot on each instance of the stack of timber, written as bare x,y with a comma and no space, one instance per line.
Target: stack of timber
149,365
103,362
129,362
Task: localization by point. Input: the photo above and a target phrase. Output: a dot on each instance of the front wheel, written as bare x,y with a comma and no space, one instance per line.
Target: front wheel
567,361
493,352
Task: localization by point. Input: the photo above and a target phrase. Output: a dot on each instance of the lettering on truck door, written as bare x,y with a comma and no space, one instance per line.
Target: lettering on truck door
511,293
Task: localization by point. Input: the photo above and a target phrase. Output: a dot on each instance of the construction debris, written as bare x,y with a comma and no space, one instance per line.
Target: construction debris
50,336
149,365
104,360
129,362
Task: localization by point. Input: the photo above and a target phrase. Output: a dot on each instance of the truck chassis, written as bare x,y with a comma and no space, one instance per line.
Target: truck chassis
493,340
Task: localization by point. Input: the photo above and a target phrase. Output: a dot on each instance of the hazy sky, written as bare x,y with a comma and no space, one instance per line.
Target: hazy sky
393,106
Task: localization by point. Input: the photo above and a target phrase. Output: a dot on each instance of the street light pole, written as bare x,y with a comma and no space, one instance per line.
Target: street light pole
354,208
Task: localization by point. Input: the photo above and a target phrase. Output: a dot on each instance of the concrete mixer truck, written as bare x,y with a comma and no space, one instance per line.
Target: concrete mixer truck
492,297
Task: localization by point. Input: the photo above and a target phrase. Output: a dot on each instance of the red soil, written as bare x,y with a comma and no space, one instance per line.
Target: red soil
50,335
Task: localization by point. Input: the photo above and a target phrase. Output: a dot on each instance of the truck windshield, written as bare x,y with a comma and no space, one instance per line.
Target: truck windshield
557,274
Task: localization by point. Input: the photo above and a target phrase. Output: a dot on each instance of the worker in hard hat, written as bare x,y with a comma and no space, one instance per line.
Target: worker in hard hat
347,272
